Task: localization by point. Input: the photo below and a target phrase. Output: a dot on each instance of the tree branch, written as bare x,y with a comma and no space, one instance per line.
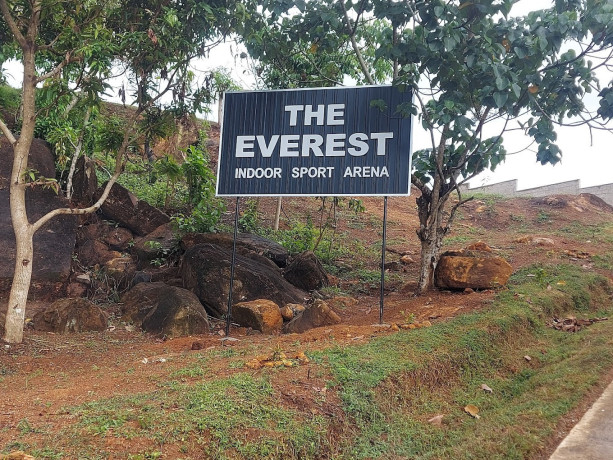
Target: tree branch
7,132
58,68
417,182
355,46
80,211
8,17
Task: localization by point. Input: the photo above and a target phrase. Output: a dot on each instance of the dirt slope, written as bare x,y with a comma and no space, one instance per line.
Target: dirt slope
49,372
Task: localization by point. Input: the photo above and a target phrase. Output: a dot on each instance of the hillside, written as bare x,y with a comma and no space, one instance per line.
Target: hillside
56,389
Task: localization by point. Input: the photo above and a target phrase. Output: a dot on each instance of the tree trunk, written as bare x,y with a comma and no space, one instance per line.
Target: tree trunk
220,108
16,309
15,315
432,230
430,253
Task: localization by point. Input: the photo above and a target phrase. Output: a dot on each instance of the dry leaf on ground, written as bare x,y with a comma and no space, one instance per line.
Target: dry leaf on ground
472,410
487,389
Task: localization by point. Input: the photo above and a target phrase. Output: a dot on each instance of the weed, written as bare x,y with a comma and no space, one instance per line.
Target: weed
543,217
332,291
238,364
146,456
192,372
24,427
48,453
604,261
248,220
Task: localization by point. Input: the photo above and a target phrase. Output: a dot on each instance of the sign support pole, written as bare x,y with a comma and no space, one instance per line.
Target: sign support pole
229,314
383,259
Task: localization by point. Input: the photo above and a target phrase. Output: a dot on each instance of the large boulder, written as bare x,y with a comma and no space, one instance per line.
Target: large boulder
94,252
54,242
471,269
70,315
127,210
205,270
317,315
247,244
261,315
306,272
114,237
165,310
158,244
121,271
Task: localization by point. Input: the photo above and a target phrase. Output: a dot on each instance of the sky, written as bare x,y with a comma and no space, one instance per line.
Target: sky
586,156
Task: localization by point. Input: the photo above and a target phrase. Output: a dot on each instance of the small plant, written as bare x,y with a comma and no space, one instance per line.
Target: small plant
24,426
540,276
248,221
407,318
543,217
192,372
32,178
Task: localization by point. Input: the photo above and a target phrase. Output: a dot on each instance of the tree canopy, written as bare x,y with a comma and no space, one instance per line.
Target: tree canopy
477,72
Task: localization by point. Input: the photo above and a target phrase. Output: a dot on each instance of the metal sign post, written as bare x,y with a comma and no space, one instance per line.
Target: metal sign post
383,260
229,315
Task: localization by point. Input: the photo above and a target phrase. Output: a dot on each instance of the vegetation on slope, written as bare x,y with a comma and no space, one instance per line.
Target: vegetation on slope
379,396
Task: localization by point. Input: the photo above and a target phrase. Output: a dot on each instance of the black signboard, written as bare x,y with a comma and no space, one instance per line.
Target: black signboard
316,142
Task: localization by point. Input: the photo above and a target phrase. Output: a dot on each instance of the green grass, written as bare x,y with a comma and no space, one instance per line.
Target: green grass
393,385
604,261
457,240
10,98
597,233
238,415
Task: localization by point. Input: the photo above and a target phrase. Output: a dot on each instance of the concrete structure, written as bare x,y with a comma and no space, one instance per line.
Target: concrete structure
573,187
592,437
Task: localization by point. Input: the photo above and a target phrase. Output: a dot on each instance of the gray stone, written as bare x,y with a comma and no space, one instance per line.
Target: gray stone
127,210
306,272
247,244
84,182
317,315
70,315
158,244
205,270
165,310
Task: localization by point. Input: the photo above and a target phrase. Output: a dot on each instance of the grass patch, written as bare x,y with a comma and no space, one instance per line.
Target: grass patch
234,417
597,233
10,98
393,385
604,261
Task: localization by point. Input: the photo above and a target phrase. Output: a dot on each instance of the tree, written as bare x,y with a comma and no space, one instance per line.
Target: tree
151,41
477,73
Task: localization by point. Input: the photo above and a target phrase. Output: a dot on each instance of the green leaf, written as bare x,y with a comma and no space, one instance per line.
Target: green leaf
502,83
500,99
516,90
